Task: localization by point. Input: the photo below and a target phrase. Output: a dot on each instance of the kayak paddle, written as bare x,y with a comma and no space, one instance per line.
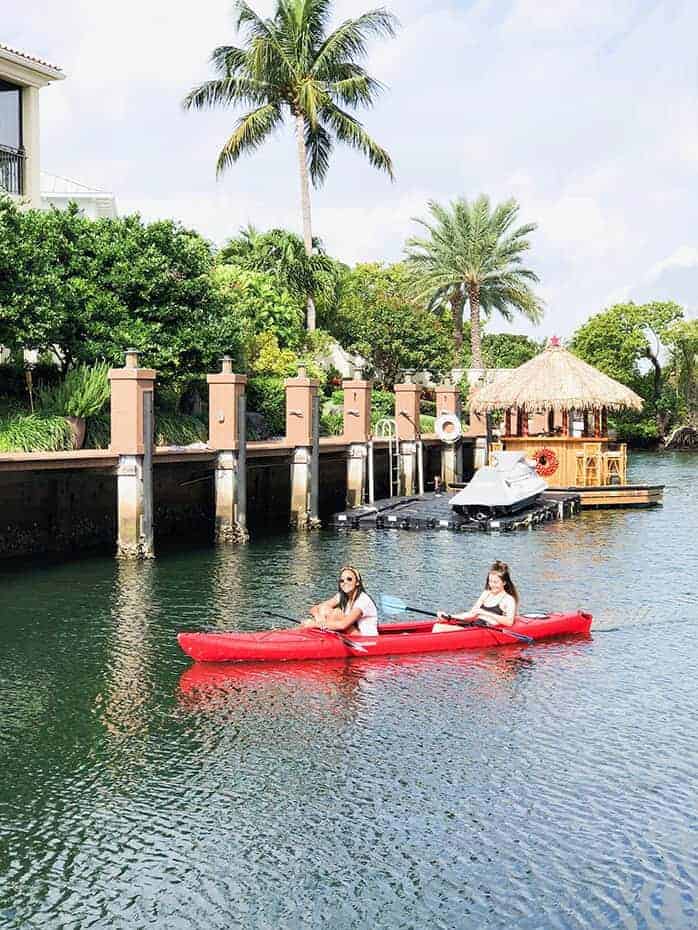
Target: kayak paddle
392,604
345,639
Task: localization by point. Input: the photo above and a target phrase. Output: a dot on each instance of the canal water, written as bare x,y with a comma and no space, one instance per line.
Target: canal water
552,786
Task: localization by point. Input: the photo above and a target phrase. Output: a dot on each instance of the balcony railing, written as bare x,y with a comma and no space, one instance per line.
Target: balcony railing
11,170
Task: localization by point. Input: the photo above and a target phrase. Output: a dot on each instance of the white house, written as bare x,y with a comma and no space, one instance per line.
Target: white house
58,192
21,78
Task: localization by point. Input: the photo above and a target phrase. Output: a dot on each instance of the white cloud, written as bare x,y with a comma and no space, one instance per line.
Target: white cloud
584,110
686,256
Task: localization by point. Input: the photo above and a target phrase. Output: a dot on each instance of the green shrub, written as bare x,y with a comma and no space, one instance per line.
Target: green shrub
427,407
266,394
426,423
382,405
332,423
179,429
82,393
98,431
34,433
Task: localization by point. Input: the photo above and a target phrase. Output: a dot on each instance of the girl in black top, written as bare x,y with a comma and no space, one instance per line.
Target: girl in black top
497,605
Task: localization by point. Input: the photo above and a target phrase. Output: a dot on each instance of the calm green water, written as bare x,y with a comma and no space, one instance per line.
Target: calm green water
545,787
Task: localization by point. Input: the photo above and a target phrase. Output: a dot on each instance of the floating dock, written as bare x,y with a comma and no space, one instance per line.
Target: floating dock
620,495
433,512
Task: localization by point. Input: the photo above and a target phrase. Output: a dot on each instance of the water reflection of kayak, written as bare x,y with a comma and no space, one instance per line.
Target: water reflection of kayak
393,639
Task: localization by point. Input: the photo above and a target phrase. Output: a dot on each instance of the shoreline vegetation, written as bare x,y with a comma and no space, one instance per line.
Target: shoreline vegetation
76,291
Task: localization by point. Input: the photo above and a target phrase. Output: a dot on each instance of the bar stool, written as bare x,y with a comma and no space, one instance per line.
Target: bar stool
592,463
614,466
579,473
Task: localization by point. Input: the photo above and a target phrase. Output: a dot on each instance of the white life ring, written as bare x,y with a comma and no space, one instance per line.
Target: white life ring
448,428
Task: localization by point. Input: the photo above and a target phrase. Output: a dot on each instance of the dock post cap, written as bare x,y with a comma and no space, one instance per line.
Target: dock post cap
227,365
408,374
132,358
302,371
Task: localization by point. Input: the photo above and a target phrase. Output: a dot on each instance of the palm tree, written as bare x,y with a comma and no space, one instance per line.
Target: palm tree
282,254
288,65
473,254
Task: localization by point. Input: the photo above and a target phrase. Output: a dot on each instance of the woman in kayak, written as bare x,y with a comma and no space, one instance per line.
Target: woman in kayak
350,610
496,606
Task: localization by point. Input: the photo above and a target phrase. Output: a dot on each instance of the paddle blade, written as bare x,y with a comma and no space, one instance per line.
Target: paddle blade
392,605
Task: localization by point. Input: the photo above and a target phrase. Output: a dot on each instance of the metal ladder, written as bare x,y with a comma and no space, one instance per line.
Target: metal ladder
387,429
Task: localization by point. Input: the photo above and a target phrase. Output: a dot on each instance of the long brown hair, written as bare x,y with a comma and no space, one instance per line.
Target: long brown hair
343,598
502,569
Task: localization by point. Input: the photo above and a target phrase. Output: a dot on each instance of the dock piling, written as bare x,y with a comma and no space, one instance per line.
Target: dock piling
407,398
132,431
448,401
227,434
357,433
303,433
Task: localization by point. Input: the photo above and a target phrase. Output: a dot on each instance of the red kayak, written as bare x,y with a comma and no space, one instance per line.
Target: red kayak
393,639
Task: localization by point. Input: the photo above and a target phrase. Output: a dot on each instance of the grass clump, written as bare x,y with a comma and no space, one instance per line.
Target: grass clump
179,429
33,432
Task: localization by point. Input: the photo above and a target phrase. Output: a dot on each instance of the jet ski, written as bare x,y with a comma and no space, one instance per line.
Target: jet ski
507,486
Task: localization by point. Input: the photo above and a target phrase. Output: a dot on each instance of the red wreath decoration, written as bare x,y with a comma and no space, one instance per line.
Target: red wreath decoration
546,462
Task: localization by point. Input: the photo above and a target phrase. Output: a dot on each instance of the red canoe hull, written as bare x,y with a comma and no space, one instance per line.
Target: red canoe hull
393,639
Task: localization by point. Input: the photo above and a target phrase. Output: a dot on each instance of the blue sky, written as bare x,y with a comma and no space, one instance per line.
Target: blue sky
586,111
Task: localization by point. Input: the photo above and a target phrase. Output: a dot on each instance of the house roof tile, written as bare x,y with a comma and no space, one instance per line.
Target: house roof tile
30,58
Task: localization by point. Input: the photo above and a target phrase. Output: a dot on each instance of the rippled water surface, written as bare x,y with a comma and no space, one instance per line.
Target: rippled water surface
552,786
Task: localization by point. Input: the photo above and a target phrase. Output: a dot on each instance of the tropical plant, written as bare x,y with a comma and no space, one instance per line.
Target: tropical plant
290,65
473,254
98,431
282,255
266,395
34,433
83,392
261,303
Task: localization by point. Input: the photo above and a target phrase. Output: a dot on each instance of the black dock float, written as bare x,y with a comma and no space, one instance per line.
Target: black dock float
433,512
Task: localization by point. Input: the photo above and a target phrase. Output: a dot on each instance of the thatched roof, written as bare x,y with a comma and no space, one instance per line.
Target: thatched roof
556,380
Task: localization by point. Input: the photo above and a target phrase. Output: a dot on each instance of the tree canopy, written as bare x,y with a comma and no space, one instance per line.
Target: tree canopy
90,288
617,341
378,319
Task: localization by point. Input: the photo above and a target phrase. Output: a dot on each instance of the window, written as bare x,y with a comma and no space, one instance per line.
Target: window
10,116
11,154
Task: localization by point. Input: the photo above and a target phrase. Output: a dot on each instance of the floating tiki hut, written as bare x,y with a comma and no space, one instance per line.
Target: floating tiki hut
556,412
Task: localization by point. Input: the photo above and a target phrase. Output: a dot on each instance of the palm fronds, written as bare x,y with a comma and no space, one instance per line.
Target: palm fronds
288,65
471,251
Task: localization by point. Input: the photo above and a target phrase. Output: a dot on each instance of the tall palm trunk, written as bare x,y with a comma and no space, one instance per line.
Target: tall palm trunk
456,302
475,341
305,208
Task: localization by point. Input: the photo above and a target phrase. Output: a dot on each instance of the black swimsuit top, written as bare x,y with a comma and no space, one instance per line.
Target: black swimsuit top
493,610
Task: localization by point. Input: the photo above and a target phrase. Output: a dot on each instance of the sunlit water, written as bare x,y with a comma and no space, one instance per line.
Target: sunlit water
552,786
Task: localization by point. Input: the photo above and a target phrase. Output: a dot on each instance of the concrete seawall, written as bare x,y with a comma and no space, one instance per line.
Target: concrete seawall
63,503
